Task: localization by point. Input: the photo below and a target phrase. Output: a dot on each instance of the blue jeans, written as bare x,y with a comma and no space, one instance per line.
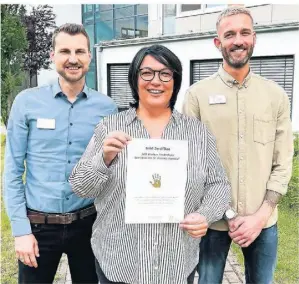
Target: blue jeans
259,258
54,240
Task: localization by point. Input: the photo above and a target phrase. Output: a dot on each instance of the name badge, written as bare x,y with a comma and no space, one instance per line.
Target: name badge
217,99
44,123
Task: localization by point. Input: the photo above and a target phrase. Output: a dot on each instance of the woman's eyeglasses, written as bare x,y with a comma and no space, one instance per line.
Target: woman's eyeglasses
148,74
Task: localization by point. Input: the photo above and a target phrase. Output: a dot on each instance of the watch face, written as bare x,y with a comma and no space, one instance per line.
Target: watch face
230,214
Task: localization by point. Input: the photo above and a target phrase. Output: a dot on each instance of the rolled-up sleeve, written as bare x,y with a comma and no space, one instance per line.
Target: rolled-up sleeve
90,174
14,168
283,150
217,190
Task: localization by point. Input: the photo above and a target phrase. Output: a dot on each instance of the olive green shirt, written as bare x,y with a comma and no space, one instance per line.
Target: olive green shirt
251,123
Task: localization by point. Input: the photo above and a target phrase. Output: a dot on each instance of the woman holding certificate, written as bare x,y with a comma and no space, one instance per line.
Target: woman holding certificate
156,178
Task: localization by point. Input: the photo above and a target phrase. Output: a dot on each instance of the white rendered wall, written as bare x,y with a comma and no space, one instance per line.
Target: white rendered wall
64,14
268,44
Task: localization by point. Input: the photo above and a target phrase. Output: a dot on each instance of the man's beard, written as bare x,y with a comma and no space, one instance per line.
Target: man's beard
71,79
237,64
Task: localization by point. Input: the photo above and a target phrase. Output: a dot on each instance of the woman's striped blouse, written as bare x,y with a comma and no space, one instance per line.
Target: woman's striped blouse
149,253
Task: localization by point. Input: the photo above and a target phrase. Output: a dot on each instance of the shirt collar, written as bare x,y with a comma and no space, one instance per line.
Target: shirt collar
231,81
132,115
57,90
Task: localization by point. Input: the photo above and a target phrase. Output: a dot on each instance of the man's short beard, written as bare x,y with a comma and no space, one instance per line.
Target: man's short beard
71,79
236,64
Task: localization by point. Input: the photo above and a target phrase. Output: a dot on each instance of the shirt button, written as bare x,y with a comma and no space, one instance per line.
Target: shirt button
241,181
156,243
70,143
241,158
241,135
72,106
67,198
69,161
71,124
156,267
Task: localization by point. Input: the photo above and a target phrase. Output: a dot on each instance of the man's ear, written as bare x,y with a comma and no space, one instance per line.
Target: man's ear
217,43
52,55
254,38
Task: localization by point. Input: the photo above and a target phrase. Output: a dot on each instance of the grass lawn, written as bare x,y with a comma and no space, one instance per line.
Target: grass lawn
9,271
287,270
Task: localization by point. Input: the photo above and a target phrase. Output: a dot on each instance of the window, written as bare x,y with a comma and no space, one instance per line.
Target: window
141,26
87,8
119,21
104,30
107,22
124,12
104,15
91,76
142,9
277,68
169,14
118,86
124,28
103,7
91,80
190,9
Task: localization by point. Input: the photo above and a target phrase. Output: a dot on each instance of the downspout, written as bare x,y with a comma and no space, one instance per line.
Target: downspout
99,50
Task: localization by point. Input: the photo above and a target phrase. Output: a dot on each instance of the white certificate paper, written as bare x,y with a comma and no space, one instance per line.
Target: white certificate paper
156,181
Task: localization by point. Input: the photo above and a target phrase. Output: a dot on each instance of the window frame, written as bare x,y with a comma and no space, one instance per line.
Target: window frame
203,10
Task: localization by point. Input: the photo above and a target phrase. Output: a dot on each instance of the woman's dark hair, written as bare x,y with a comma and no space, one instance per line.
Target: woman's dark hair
164,56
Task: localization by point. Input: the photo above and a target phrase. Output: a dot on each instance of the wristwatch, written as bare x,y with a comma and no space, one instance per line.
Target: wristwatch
230,214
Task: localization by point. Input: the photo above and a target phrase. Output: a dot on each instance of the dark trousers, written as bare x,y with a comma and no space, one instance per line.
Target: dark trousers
259,258
104,280
54,240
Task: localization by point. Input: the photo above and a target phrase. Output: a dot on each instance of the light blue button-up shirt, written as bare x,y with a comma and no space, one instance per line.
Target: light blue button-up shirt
49,154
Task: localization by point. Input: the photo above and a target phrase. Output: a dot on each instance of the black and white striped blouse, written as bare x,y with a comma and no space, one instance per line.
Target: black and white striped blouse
149,253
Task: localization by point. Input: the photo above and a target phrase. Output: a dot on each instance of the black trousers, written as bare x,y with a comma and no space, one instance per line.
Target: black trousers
104,280
54,240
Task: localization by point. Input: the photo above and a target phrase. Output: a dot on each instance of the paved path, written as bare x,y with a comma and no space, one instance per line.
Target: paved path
232,272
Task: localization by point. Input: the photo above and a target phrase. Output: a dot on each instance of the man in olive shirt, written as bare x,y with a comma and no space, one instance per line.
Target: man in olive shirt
250,118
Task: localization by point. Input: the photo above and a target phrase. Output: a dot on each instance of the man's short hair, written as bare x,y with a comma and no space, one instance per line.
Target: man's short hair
71,29
233,10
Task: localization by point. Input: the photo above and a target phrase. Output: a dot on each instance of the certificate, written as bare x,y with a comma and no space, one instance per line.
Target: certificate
156,181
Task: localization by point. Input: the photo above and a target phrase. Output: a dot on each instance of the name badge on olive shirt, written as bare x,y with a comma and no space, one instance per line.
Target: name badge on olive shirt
217,99
44,123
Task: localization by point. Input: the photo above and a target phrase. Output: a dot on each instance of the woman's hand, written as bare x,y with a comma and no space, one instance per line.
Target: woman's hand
113,144
195,224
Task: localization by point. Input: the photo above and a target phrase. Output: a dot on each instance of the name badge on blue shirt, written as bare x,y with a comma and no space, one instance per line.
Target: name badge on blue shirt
217,99
45,123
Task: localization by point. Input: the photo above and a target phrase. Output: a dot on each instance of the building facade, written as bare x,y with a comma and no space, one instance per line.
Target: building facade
119,31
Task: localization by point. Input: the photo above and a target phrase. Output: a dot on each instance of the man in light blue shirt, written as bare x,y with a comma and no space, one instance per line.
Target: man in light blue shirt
48,130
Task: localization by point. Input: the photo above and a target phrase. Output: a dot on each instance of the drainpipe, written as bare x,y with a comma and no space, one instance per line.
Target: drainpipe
99,50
